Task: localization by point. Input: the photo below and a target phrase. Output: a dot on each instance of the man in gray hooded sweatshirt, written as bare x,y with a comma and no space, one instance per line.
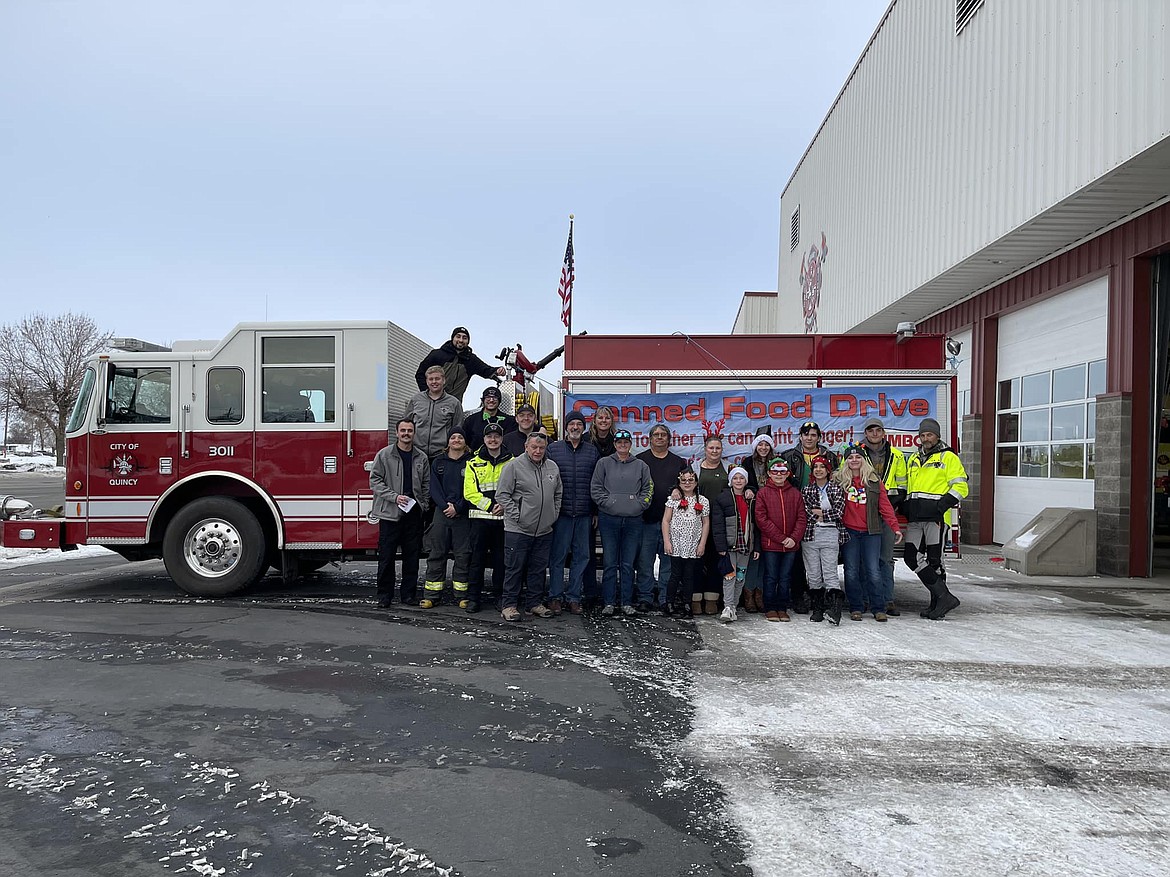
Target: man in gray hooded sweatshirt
622,488
530,494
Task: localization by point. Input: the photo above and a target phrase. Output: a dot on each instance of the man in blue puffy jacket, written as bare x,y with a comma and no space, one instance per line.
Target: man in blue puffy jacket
576,459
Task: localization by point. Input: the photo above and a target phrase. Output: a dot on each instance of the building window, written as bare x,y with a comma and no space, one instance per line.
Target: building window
1045,424
964,11
796,228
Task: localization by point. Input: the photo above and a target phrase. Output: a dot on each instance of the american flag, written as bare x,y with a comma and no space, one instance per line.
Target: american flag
565,288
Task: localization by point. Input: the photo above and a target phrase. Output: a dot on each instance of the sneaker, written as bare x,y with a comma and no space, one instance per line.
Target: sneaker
554,606
668,610
734,616
879,616
511,613
892,610
608,611
575,609
427,604
541,611
727,615
629,611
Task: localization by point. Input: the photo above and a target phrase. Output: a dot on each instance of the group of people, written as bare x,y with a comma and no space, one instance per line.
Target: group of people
676,537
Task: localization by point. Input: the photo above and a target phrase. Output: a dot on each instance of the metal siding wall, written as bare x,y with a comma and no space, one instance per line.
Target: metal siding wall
940,145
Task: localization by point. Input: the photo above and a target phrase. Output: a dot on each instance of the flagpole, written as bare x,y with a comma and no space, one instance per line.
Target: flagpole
569,328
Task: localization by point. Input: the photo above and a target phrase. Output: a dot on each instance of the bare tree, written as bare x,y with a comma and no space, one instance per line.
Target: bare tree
42,361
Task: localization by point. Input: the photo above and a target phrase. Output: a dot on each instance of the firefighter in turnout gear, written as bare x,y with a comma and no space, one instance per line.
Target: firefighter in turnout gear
480,479
451,530
935,483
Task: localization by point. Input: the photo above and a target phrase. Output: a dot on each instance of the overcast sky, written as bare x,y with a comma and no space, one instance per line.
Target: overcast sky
173,168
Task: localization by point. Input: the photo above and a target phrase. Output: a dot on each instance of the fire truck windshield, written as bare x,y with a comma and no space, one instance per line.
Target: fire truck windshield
77,417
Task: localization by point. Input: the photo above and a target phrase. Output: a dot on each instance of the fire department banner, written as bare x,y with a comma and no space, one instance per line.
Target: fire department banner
739,414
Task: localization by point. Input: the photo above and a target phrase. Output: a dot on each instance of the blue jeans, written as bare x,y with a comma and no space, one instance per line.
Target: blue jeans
620,538
650,549
863,574
777,578
887,561
570,534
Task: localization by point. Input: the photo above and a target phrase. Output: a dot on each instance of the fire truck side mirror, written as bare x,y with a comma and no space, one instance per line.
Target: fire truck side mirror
104,372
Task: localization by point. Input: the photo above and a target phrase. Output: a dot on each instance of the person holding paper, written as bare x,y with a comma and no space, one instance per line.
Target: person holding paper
401,483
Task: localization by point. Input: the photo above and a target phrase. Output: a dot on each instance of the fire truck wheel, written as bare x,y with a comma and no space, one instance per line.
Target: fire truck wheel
214,547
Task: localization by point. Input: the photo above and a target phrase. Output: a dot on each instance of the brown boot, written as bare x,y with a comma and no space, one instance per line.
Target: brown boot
757,598
696,608
710,607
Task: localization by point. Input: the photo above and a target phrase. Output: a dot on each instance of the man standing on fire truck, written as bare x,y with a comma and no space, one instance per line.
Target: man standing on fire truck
935,483
401,482
458,364
434,411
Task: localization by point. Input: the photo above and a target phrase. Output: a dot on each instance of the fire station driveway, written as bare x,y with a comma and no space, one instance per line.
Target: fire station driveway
301,731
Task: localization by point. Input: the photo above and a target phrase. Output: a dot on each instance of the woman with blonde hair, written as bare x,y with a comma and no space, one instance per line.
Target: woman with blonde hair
866,507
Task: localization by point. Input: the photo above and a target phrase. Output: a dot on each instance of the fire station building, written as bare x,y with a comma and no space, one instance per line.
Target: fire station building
999,172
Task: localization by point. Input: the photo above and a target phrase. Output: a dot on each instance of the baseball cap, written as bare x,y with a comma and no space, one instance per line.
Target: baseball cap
622,435
493,429
491,391
525,407
874,421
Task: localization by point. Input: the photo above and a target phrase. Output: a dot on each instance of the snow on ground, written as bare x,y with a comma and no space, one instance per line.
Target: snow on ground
35,463
1029,734
10,557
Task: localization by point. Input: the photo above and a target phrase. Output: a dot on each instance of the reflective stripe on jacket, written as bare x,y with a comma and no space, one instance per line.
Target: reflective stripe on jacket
935,482
480,480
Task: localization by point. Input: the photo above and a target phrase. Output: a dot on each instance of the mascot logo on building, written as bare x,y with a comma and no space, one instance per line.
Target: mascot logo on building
810,283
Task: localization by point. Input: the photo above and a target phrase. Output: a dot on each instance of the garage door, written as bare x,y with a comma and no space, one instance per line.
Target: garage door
1051,365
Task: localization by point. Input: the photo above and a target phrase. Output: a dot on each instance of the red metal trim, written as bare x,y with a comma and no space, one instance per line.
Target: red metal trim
1141,339
984,371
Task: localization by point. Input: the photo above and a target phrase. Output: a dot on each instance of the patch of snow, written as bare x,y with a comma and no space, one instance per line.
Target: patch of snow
23,556
1018,732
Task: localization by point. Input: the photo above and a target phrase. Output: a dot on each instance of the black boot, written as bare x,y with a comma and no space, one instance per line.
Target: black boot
944,601
817,601
925,613
800,603
836,604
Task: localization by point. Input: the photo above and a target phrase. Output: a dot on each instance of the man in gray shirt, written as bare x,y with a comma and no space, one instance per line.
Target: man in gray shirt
530,494
622,489
434,411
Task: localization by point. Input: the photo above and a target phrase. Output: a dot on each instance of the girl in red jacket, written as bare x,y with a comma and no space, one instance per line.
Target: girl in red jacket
780,519
866,507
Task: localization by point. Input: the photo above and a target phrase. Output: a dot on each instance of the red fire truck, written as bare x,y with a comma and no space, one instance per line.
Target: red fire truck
226,461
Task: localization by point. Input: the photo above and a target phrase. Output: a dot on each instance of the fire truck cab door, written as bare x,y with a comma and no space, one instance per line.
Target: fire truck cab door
300,432
132,455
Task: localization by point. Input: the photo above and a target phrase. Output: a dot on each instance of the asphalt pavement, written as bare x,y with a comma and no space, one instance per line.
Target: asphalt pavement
44,490
303,731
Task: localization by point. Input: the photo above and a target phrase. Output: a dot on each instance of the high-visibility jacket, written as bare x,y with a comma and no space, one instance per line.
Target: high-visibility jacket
935,482
480,480
893,474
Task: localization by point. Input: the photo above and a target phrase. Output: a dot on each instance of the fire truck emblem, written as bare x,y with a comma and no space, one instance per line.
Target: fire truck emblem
120,466
810,283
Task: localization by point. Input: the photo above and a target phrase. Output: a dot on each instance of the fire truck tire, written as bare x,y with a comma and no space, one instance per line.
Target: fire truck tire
214,547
